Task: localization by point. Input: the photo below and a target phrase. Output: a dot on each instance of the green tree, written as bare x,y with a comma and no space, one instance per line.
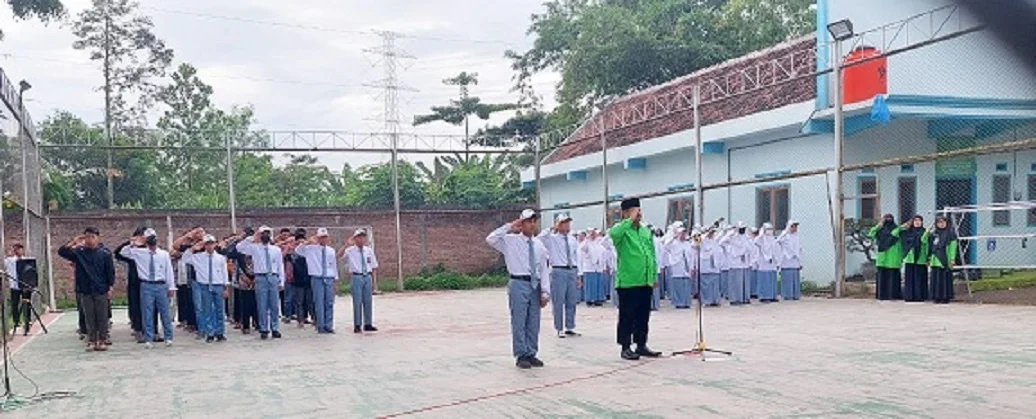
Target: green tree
83,169
460,110
485,182
44,10
130,55
306,182
609,48
374,188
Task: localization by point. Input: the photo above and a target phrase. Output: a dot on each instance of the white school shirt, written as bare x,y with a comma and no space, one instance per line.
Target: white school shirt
259,253
685,257
163,264
555,244
661,254
720,253
769,252
353,256
791,250
312,253
590,257
738,247
181,267
709,249
11,267
515,248
200,261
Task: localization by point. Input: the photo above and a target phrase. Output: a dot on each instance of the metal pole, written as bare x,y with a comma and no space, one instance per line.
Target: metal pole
50,268
839,201
539,196
395,199
230,187
700,201
604,170
108,107
26,143
3,231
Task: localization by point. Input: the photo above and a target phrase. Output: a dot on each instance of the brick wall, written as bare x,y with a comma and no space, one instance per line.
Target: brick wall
795,56
455,239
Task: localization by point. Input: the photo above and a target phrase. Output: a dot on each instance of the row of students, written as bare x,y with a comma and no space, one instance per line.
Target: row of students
912,251
253,264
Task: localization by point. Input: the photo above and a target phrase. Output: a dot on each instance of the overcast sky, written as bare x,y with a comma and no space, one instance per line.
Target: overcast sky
296,78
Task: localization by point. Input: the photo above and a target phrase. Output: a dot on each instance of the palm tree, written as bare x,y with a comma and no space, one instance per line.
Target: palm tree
459,111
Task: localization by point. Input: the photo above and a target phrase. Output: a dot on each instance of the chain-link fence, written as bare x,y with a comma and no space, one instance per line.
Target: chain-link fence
21,198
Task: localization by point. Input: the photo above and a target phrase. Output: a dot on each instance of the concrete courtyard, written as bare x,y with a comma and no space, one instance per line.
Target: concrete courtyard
448,355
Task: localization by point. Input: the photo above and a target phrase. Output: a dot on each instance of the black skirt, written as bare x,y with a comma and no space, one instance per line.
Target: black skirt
915,282
942,285
889,285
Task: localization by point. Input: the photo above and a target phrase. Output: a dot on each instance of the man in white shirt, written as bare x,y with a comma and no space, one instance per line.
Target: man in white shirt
528,291
363,266
268,266
158,285
11,267
210,270
322,266
564,275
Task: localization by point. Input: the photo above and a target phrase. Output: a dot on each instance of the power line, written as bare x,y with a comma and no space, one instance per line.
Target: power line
319,28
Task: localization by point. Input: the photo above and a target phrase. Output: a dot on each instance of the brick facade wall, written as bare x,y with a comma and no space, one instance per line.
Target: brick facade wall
732,76
455,239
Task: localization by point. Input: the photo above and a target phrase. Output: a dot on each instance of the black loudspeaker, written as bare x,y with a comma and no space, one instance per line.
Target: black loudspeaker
28,274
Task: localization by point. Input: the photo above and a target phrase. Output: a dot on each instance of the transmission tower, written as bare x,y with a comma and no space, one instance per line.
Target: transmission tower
390,87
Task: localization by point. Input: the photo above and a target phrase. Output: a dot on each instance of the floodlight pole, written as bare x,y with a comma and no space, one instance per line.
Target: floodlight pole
604,170
839,201
230,186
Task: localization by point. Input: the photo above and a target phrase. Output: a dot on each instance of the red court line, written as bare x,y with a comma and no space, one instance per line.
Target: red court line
17,341
513,392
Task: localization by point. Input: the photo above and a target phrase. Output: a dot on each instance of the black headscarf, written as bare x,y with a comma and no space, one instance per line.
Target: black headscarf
911,237
885,238
940,239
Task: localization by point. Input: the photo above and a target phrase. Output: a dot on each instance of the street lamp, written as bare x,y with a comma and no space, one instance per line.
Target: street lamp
840,31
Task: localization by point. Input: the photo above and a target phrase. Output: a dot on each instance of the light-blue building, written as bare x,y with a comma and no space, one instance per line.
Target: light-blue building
949,88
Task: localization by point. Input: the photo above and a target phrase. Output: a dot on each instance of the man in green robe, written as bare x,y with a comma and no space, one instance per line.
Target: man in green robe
890,259
634,280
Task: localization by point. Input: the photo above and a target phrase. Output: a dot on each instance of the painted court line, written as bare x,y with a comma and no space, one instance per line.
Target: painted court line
18,345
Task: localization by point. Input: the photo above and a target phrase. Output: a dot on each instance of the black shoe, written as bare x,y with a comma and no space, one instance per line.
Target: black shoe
356,329
369,328
572,333
221,338
158,339
210,339
629,355
263,335
276,334
329,331
523,363
646,352
535,361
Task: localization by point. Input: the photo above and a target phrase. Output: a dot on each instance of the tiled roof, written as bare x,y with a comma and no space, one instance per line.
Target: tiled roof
764,80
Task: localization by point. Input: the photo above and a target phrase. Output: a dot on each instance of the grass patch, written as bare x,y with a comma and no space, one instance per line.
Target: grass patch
436,279
1022,279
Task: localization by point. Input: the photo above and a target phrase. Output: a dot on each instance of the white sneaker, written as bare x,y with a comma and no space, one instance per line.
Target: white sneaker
168,343
561,335
148,345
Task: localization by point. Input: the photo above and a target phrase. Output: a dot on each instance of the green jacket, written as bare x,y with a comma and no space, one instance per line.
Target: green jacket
922,259
891,258
951,255
636,249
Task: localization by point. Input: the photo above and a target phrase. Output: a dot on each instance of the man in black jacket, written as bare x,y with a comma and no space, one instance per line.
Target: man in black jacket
94,278
300,282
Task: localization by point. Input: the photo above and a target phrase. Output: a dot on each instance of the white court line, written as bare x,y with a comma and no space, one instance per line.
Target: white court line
33,336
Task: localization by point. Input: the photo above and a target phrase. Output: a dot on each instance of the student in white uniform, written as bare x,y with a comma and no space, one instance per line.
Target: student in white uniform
661,261
709,292
155,268
682,263
791,262
268,266
564,274
610,259
363,265
769,253
322,270
753,261
210,269
593,277
737,246
528,291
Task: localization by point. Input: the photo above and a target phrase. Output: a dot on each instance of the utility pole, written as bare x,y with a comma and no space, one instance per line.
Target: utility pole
108,105
390,87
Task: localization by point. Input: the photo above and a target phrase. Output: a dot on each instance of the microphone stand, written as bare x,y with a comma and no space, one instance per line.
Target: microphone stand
3,329
700,348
